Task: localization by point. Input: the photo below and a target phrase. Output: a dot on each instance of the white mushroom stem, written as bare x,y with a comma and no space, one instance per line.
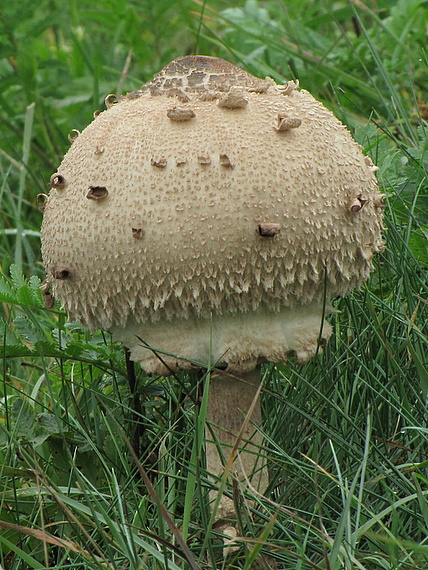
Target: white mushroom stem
232,415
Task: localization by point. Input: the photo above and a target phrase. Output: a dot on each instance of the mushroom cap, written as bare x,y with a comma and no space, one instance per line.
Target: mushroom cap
208,201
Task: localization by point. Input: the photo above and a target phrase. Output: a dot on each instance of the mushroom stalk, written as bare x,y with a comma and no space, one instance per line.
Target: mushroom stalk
230,401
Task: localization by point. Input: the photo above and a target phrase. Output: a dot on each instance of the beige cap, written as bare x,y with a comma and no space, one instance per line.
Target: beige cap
211,216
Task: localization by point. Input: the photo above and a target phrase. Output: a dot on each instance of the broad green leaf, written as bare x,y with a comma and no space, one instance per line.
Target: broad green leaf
18,278
49,422
28,330
23,418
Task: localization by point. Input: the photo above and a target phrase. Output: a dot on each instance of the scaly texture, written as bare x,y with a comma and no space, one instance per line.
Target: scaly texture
210,193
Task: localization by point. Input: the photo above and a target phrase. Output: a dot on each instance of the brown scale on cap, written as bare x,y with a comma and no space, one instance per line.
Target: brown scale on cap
233,99
177,114
286,123
198,74
73,135
268,230
41,200
57,181
48,298
97,193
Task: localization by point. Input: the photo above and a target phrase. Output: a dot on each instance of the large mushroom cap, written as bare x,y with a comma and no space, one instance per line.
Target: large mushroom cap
209,215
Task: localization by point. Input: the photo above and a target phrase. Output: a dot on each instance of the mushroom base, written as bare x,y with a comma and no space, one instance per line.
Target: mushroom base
237,343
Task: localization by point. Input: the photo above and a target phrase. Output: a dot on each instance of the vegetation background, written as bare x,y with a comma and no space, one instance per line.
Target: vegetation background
346,434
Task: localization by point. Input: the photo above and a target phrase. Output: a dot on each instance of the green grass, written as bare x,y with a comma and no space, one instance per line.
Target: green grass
345,434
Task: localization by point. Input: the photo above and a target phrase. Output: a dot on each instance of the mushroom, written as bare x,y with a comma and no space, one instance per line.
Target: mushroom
206,220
